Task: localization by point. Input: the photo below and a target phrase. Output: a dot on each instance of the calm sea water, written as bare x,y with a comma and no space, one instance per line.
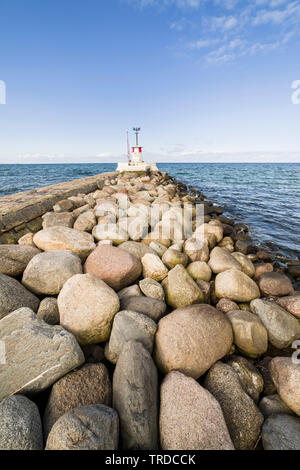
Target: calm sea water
265,196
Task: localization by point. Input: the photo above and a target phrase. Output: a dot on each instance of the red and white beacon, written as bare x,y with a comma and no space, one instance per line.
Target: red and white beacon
137,150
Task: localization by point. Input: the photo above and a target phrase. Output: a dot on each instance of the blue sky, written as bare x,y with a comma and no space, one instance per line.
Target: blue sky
207,80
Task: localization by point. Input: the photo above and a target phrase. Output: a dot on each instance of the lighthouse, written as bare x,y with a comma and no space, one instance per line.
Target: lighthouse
137,150
135,158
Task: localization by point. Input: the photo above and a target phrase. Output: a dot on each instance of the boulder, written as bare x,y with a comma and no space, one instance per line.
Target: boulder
116,267
283,328
250,336
48,311
190,417
281,432
286,376
236,285
130,291
54,219
158,248
85,222
226,305
152,288
247,265
63,238
262,268
192,339
199,271
91,427
47,272
85,386
14,258
243,418
135,397
36,354
180,289
251,380
27,240
130,326
197,250
87,307
273,405
275,284
110,231
172,257
153,308
290,303
20,424
137,249
153,267
221,260
14,296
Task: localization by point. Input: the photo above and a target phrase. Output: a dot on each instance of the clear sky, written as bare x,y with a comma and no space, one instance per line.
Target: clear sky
207,80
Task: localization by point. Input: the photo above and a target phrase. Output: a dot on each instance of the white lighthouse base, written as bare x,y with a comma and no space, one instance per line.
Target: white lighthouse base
137,167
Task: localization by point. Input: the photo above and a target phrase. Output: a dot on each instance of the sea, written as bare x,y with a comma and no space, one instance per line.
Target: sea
265,196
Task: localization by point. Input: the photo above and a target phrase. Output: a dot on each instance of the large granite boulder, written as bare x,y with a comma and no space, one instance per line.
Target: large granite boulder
221,260
286,377
87,307
20,424
180,288
47,272
14,258
192,339
116,267
283,328
243,418
190,417
135,397
64,238
36,353
236,285
91,427
85,386
14,296
129,326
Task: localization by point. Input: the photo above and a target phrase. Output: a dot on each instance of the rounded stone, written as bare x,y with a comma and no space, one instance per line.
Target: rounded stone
247,265
87,307
236,285
152,288
116,267
281,432
199,270
85,386
192,339
47,272
172,257
129,326
91,427
48,311
153,308
153,267
15,258
221,260
63,238
14,296
180,289
20,424
275,284
249,334
286,376
190,417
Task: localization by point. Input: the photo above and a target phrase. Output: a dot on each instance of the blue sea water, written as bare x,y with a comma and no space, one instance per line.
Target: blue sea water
264,196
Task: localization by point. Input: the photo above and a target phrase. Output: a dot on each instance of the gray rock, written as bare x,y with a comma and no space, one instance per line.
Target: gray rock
152,288
283,328
130,291
243,418
91,427
14,258
86,386
14,296
20,424
47,272
36,354
48,311
273,404
281,432
135,397
251,380
130,326
153,308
